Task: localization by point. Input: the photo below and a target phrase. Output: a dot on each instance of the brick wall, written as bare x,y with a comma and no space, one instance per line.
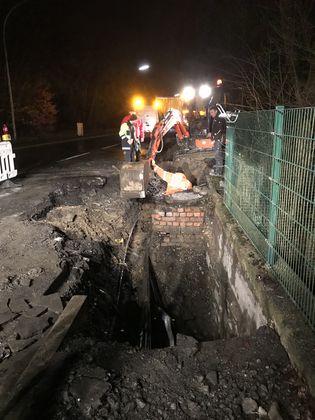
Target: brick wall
178,225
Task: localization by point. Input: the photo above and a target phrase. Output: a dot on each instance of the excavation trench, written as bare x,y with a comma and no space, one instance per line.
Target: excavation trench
160,274
162,280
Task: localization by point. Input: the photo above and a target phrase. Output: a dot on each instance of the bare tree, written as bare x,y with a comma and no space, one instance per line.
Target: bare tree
282,70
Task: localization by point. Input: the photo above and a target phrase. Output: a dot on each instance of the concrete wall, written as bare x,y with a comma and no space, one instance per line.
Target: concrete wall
212,275
237,309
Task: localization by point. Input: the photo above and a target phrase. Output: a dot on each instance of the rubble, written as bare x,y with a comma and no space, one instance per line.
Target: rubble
80,236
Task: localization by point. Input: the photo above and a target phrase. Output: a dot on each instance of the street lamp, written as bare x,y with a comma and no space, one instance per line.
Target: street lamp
7,67
144,67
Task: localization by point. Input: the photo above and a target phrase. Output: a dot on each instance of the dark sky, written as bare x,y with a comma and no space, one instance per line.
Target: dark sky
99,44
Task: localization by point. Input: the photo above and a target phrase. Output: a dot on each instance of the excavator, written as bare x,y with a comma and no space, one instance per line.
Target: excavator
135,176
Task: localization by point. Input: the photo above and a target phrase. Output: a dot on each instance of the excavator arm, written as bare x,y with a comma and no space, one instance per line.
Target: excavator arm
173,118
134,176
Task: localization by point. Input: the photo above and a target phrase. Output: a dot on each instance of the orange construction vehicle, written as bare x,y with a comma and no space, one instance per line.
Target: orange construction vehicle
134,176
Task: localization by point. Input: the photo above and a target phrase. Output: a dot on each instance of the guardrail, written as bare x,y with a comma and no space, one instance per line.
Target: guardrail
7,169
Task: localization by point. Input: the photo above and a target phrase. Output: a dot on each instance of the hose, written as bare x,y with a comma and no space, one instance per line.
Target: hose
161,147
123,267
121,275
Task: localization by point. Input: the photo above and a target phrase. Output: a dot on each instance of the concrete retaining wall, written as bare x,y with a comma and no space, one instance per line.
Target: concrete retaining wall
263,300
239,295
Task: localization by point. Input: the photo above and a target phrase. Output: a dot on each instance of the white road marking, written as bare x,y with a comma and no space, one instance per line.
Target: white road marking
108,147
74,139
74,157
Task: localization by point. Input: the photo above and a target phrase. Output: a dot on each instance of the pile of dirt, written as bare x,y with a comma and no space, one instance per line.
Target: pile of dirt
72,244
228,379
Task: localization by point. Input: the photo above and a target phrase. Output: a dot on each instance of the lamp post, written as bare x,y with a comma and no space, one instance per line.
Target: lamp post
7,66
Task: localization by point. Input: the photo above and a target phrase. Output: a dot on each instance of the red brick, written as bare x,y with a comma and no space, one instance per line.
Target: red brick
169,219
169,214
162,223
183,215
169,224
160,213
202,213
175,224
175,214
189,224
190,214
180,210
197,224
156,216
197,214
183,224
196,219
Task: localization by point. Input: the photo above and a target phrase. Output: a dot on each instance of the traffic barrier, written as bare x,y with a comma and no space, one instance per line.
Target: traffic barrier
7,169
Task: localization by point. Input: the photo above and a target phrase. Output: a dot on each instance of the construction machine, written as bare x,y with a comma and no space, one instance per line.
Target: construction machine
135,176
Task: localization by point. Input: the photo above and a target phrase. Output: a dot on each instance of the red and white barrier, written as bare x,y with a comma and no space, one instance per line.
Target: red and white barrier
7,169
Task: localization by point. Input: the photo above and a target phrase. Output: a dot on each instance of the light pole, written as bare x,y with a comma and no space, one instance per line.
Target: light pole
7,67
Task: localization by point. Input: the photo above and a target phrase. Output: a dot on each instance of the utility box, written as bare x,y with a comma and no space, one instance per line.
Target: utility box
80,129
134,179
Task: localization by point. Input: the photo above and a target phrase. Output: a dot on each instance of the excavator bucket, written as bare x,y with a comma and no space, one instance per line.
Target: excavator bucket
134,179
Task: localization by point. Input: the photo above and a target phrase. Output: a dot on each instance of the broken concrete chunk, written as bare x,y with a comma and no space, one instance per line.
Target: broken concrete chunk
30,327
274,412
19,345
7,317
262,413
52,302
18,304
249,406
35,311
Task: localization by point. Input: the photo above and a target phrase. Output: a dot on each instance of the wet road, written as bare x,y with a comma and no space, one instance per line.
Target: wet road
29,157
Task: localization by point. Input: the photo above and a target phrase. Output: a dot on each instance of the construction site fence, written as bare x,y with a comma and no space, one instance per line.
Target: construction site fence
270,191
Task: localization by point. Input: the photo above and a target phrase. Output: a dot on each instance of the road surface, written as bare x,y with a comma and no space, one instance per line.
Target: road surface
29,157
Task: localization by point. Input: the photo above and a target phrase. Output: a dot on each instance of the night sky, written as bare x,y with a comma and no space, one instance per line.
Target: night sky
88,52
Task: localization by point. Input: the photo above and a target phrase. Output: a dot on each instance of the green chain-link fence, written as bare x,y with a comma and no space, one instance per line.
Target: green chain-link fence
270,191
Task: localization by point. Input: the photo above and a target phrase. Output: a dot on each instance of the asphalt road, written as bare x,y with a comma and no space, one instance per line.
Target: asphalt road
29,157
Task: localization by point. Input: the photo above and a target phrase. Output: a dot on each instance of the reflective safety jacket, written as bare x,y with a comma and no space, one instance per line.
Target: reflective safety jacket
126,133
138,126
175,182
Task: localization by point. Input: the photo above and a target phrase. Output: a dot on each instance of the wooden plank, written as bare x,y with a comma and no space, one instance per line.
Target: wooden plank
16,383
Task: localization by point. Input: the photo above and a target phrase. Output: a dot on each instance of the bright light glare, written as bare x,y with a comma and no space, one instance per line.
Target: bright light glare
157,104
138,103
219,82
144,67
188,93
177,95
205,91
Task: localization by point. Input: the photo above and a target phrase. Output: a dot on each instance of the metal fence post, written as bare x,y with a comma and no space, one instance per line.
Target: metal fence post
275,183
229,154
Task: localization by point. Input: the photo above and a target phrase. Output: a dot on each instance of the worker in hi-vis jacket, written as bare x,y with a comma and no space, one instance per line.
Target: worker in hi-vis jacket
128,137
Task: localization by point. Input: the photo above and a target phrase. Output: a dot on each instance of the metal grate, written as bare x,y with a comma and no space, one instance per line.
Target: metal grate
270,191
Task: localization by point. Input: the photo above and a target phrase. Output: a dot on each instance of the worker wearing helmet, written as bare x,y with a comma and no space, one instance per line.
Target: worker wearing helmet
127,136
